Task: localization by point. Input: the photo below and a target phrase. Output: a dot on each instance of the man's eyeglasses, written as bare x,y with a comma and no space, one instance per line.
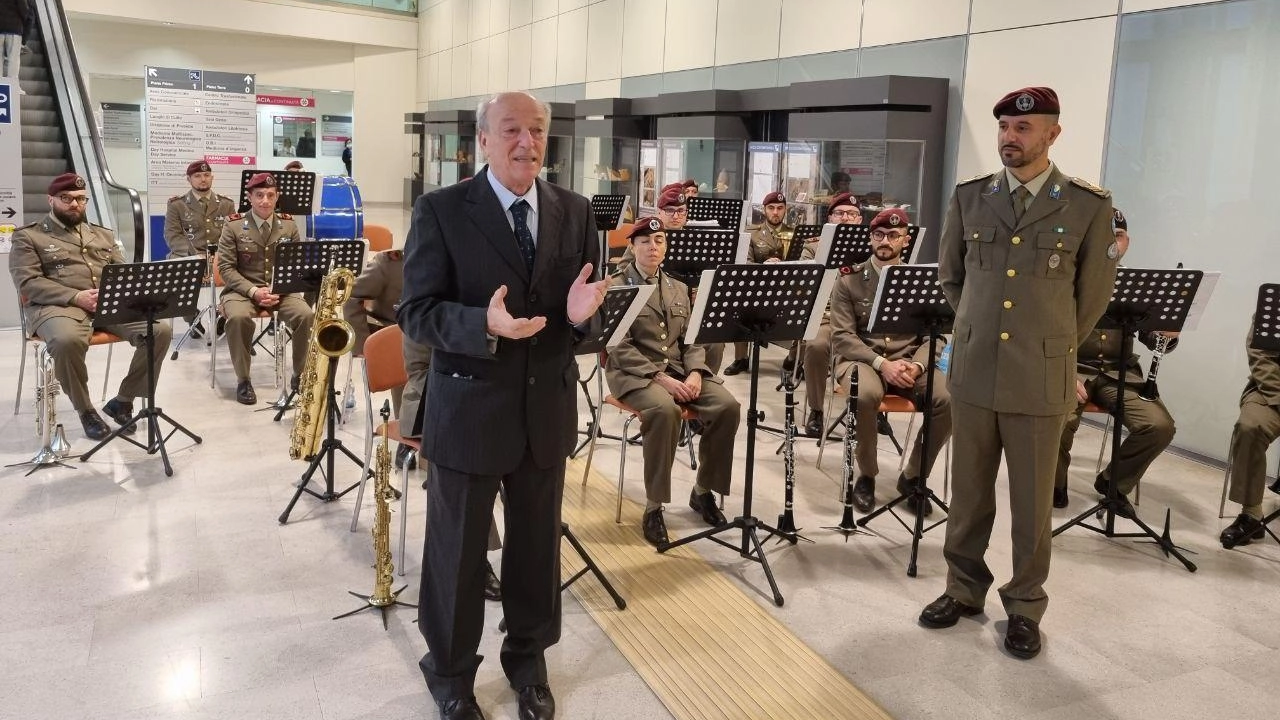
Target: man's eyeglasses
677,211
882,235
845,213
73,199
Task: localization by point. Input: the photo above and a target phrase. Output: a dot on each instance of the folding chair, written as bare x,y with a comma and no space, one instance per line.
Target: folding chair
99,337
378,237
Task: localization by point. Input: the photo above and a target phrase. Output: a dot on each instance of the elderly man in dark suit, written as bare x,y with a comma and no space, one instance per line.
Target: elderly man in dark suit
495,282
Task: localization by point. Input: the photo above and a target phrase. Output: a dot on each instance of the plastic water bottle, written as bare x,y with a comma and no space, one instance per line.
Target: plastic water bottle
944,360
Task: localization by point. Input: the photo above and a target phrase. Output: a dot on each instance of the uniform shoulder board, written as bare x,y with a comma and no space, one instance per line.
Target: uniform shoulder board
1081,182
975,178
28,225
284,216
235,216
175,198
222,197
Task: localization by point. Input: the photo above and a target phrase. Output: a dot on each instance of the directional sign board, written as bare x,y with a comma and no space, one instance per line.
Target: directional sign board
11,168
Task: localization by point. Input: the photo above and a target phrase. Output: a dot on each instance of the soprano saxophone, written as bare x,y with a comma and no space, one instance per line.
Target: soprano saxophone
331,337
382,496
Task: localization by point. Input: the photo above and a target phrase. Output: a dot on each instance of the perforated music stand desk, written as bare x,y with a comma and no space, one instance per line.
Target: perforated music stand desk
851,245
909,301
297,190
1141,300
725,211
690,251
803,234
775,302
147,292
609,210
301,266
1266,337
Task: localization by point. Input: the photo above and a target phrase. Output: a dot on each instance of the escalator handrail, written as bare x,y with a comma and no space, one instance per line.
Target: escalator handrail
55,11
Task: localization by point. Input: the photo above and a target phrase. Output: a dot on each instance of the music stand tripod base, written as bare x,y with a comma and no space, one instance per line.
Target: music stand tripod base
326,454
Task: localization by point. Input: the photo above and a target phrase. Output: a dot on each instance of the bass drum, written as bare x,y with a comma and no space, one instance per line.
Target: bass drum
340,215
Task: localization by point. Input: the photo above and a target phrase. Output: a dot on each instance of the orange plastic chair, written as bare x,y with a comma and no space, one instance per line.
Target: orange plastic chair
383,370
213,347
379,237
99,337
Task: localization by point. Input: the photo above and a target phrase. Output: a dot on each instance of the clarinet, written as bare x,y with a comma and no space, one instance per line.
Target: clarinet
1150,392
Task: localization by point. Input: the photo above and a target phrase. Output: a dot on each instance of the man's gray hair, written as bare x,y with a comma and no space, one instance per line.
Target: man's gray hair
482,110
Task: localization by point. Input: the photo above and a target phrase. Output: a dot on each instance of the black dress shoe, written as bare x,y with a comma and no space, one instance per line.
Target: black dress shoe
492,585
1022,639
1243,531
813,426
945,612
293,383
1124,508
465,709
404,454
738,366
122,413
864,494
914,503
536,703
655,528
94,427
245,394
1060,497
197,331
221,326
705,505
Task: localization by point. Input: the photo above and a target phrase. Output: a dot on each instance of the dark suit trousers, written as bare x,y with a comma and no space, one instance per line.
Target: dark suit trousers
1029,444
451,609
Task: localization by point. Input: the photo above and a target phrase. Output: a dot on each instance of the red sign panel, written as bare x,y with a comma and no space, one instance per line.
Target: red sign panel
286,100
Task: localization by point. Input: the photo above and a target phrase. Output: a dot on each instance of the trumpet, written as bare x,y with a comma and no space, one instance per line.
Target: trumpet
53,439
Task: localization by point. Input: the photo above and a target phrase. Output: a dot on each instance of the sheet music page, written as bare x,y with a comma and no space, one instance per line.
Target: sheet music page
744,248
829,278
825,240
699,305
703,224
643,293
626,205
1203,293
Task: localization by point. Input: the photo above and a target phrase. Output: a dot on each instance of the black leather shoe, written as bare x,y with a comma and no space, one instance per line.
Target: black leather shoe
536,703
222,326
813,426
94,427
917,505
122,413
705,505
1022,639
404,454
197,330
945,612
1124,508
864,494
492,585
293,383
1060,497
738,366
466,709
245,394
655,528
1243,531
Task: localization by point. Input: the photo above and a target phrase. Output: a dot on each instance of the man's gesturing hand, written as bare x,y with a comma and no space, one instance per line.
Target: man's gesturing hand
584,297
500,323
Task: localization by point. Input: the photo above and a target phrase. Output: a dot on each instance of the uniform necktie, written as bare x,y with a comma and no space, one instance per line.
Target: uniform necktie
1020,194
520,213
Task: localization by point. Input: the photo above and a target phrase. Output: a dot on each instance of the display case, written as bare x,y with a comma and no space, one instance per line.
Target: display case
451,158
880,173
413,179
606,166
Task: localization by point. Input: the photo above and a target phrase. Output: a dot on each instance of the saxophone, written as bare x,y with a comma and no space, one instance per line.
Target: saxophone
331,337
382,496
786,236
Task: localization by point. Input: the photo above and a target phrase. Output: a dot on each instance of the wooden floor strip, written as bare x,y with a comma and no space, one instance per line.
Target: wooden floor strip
705,648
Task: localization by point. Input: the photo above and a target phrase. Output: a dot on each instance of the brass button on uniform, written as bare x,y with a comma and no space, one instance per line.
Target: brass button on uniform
531,380
1103,336
1004,336
1008,304
975,236
1011,272
1016,240
663,336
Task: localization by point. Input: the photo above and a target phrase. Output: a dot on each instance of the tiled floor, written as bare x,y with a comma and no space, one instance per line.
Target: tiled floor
127,594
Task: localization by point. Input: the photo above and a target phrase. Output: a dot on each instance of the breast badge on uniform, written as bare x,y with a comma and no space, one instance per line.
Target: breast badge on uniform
1054,261
1113,251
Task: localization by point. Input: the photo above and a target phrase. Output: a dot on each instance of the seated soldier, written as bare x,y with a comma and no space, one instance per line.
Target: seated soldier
56,266
894,363
843,210
654,371
1149,424
246,253
1257,427
193,221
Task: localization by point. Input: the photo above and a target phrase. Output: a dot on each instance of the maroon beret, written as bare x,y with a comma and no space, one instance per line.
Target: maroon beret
64,182
671,199
843,198
1028,101
294,165
198,166
261,180
671,186
689,183
1118,220
774,197
893,217
645,226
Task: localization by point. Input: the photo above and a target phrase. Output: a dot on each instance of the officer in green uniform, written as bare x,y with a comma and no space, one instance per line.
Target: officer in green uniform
193,221
1257,427
1027,259
654,371
884,363
56,266
843,210
246,252
1149,423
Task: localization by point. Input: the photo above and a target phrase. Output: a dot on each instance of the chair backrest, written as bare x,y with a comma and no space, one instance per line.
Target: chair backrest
384,359
379,237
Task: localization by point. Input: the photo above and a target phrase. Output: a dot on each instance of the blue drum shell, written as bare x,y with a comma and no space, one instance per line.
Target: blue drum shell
340,215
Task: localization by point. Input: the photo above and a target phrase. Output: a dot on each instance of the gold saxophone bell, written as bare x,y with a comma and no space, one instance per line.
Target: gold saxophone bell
331,337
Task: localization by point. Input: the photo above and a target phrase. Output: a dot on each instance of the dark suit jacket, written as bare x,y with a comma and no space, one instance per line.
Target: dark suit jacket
487,407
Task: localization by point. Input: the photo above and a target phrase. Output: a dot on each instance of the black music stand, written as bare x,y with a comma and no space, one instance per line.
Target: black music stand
690,251
608,211
620,307
147,292
758,304
725,211
1143,300
803,234
909,301
300,267
1266,337
851,244
297,190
